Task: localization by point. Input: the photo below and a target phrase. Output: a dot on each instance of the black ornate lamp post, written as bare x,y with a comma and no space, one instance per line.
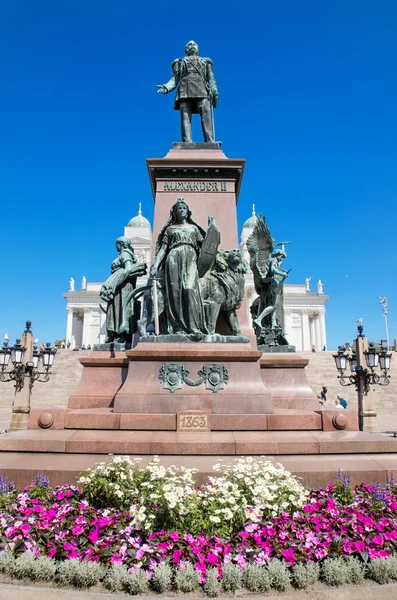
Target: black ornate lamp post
363,362
25,360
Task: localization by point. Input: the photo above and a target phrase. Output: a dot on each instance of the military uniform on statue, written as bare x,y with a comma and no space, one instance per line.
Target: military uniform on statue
197,91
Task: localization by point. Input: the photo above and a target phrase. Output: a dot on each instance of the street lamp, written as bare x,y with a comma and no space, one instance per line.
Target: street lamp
25,369
362,365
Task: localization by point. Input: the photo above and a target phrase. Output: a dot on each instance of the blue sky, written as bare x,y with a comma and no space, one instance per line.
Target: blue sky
308,95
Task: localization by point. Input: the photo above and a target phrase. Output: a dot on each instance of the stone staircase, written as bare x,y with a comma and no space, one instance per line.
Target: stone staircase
321,371
65,376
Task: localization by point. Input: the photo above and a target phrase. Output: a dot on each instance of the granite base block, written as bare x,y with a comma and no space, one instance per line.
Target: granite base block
176,338
112,347
196,145
267,348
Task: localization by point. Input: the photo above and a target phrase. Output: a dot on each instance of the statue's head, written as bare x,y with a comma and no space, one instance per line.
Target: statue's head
280,254
180,210
123,242
231,259
191,48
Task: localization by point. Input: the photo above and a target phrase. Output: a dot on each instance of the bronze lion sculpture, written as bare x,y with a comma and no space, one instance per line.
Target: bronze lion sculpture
222,289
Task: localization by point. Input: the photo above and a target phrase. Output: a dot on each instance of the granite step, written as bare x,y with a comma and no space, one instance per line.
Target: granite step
314,471
199,443
105,418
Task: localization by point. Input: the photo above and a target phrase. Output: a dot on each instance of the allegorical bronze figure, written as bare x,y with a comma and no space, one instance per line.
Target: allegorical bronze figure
197,91
177,249
269,277
117,292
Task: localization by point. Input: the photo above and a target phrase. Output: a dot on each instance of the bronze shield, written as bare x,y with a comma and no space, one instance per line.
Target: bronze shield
209,249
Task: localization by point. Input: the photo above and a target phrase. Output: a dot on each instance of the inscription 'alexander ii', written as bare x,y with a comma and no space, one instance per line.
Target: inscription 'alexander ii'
195,186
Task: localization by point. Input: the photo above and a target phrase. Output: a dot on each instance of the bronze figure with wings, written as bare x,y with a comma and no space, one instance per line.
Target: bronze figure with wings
269,277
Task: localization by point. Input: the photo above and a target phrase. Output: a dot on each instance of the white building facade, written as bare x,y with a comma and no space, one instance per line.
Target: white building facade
304,310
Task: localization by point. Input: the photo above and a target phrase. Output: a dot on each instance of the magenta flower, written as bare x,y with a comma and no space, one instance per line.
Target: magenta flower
378,540
289,555
213,559
176,557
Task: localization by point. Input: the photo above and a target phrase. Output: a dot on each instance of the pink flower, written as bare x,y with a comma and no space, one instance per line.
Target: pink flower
115,559
289,555
93,536
320,553
174,536
176,557
212,558
378,540
68,546
77,530
359,546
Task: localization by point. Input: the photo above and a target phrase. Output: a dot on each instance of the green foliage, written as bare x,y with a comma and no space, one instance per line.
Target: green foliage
343,491
355,570
6,562
256,578
382,570
115,577
334,571
305,575
6,499
136,582
212,585
78,574
186,579
279,575
232,576
23,567
162,579
58,343
392,560
28,566
38,491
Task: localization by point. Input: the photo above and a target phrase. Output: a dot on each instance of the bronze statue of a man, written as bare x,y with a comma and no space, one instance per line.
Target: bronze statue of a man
197,91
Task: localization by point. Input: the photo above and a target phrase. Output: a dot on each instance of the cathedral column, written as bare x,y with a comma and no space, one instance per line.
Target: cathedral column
69,325
288,323
322,329
318,333
312,330
305,330
86,326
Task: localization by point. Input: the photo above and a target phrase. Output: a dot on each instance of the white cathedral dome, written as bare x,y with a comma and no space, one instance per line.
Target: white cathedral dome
251,222
139,220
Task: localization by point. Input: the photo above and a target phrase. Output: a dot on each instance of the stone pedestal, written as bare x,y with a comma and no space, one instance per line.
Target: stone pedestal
169,378
210,184
103,375
284,376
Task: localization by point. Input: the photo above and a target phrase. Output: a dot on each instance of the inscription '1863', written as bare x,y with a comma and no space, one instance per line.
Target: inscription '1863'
193,422
195,186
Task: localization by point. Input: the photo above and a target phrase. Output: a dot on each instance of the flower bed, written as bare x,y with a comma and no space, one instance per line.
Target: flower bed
250,515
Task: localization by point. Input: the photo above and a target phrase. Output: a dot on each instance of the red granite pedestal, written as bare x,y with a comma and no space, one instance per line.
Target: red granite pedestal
242,393
284,376
103,375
